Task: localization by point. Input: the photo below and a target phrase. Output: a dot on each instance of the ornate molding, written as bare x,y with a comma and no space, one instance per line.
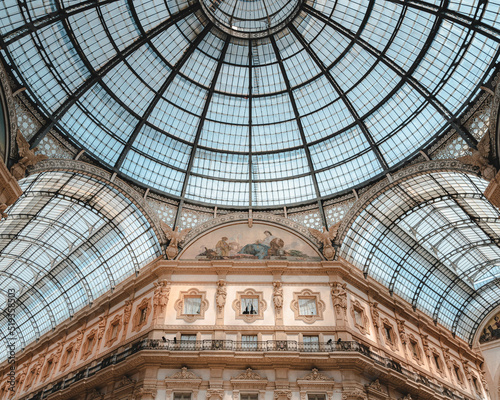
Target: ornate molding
137,323
183,380
282,394
308,294
316,376
364,326
11,112
354,394
249,294
179,305
249,375
396,178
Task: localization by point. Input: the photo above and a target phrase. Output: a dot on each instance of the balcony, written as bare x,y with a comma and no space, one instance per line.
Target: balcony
237,346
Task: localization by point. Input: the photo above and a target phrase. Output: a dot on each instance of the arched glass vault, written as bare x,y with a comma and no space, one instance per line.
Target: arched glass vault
433,239
68,239
278,106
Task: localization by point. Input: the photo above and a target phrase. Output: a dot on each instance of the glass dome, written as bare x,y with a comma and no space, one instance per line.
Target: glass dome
251,103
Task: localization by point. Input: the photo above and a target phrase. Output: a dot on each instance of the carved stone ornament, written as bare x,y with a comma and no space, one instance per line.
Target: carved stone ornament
282,394
248,381
184,374
183,381
278,295
95,395
127,312
215,394
339,298
125,381
140,392
27,157
79,339
249,374
364,324
407,397
326,238
447,358
220,295
315,375
354,394
375,314
307,294
375,385
160,297
252,315
176,237
315,382
402,332
101,328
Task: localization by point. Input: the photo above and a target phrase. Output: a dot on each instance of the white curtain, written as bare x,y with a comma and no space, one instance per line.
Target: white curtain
249,341
307,306
192,305
249,306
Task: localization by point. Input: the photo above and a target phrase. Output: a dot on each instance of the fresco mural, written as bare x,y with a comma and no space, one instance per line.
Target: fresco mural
261,242
492,330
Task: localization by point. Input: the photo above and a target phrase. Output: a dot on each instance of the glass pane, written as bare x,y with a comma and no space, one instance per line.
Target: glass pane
192,305
307,306
249,306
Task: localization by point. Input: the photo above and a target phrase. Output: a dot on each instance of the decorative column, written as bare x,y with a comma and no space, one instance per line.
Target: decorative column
160,301
127,312
339,300
375,314
278,302
220,301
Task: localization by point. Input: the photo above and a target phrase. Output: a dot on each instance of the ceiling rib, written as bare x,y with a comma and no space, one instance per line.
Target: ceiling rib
405,75
97,76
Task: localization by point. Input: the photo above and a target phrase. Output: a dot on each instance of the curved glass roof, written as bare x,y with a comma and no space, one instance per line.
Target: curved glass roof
433,240
68,239
343,93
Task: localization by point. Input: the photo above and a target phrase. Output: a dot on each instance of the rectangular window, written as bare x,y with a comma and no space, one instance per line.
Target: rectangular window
114,331
249,305
307,307
476,386
144,315
90,343
388,333
192,305
182,396
457,374
316,397
311,343
437,362
249,342
358,317
414,348
247,396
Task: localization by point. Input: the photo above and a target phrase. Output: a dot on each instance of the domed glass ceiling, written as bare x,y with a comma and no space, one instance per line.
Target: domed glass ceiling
251,102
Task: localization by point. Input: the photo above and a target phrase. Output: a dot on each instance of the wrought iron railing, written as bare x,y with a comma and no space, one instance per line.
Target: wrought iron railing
231,345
